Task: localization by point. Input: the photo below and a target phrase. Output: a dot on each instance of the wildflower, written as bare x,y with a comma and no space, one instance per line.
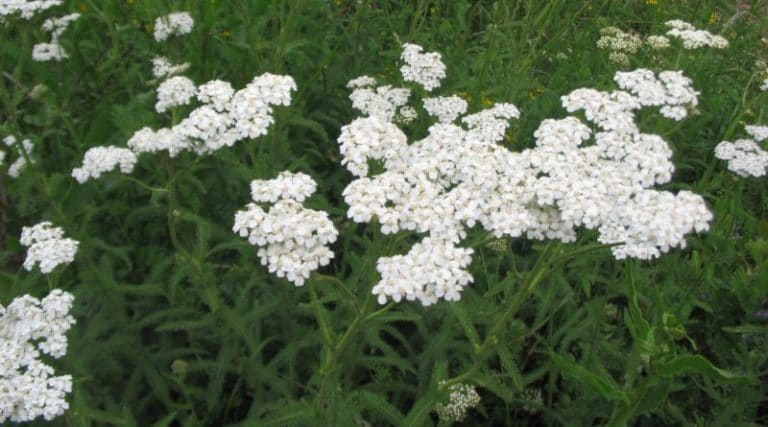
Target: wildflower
98,160
26,8
53,51
406,114
47,247
620,58
764,84
694,38
250,107
146,140
217,93
426,69
162,67
294,240
175,91
432,269
459,176
177,23
382,101
362,81
461,398
616,40
446,109
745,157
657,42
25,152
29,326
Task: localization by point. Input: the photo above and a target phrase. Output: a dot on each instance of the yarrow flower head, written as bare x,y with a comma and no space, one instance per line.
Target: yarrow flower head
173,92
426,69
226,116
694,38
29,327
47,247
53,51
98,160
176,23
744,156
162,67
24,149
461,398
294,240
25,8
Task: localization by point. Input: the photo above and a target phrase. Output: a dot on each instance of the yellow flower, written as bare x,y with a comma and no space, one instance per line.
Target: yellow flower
652,2
714,17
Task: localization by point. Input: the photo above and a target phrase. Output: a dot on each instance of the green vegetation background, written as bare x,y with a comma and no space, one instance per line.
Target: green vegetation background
197,333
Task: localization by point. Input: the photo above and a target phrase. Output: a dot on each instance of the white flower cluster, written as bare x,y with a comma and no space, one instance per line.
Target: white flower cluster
426,69
619,44
764,85
744,156
383,101
176,23
458,177
294,240
432,269
162,67
29,327
445,108
694,38
98,160
173,92
461,398
47,247
26,8
225,117
53,51
657,42
24,148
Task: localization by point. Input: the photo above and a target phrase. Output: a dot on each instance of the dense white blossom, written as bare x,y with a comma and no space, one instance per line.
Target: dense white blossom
370,138
461,397
657,42
744,156
615,39
57,26
294,240
446,109
162,67
146,140
382,101
694,38
25,8
174,91
98,160
47,247
217,93
29,327
432,270
176,23
287,186
426,69
459,176
225,117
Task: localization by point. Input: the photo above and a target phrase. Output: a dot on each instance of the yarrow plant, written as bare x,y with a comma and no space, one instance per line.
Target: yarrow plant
459,176
294,240
53,51
29,327
25,8
461,398
744,156
24,150
176,23
694,38
47,247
